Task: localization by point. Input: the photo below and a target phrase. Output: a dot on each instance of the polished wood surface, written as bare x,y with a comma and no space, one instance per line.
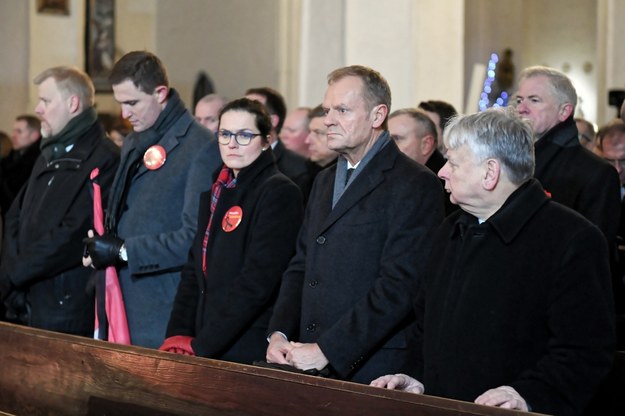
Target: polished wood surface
45,373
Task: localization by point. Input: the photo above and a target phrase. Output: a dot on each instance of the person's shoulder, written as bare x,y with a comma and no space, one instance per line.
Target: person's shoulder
108,146
191,130
564,220
292,159
277,186
408,168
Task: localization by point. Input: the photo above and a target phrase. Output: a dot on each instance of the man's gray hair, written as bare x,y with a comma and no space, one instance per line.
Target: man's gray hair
70,81
497,133
561,86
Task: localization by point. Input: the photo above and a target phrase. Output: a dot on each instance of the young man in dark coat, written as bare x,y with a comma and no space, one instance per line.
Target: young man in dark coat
44,283
166,163
516,307
346,295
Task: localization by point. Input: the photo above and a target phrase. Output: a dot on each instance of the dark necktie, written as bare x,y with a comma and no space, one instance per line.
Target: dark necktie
348,175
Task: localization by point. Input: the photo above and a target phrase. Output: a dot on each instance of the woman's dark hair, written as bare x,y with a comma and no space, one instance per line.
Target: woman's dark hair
258,110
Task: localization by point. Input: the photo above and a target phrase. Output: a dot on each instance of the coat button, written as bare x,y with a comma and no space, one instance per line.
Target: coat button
313,283
311,327
321,240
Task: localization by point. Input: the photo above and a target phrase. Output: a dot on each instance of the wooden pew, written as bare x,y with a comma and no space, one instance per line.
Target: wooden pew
45,373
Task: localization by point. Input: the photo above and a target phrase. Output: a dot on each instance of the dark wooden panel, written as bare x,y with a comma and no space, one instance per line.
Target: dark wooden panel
44,373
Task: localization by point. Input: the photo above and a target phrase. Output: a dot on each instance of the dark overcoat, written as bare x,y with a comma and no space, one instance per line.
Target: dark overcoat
350,285
227,311
158,223
579,179
45,226
295,167
522,300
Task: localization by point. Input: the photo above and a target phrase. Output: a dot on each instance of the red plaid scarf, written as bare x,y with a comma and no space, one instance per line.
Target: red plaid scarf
225,179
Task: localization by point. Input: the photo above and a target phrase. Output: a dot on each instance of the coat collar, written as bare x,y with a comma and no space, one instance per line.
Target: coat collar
513,215
562,136
370,178
436,161
278,150
249,173
170,140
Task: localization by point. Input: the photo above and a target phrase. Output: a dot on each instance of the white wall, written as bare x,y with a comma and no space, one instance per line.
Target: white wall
426,48
14,77
557,33
235,42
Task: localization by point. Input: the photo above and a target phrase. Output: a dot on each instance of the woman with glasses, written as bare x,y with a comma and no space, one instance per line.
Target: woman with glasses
247,226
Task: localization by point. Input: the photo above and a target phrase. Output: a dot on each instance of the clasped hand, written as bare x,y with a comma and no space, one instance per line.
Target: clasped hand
297,354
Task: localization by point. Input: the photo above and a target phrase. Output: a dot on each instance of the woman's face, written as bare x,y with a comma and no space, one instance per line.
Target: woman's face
234,155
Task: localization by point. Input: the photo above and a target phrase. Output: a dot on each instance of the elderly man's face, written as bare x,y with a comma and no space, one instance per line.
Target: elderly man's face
348,118
53,108
463,177
409,137
207,114
536,102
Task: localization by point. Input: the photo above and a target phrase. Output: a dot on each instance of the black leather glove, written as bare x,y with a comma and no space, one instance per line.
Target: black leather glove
104,250
15,304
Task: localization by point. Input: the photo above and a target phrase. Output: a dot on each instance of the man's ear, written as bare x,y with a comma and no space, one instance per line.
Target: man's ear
378,115
491,174
427,144
565,111
161,92
74,104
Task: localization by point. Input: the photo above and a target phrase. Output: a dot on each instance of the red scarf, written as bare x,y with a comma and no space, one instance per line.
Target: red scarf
225,179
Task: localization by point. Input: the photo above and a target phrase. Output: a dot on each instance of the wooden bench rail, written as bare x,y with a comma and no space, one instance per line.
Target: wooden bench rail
45,373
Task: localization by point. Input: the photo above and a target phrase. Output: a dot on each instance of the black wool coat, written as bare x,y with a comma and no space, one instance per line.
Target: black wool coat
295,167
227,312
43,249
350,285
579,179
523,300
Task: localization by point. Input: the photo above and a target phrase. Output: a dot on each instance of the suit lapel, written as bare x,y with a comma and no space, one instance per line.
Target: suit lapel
370,178
169,142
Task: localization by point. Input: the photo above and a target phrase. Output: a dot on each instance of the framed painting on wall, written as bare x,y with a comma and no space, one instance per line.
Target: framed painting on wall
100,42
53,6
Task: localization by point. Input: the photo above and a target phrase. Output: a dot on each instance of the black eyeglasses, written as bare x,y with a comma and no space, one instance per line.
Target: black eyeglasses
243,138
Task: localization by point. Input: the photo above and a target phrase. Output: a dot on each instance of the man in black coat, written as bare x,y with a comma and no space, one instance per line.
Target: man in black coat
346,295
416,136
570,173
516,308
611,146
294,166
16,167
43,281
